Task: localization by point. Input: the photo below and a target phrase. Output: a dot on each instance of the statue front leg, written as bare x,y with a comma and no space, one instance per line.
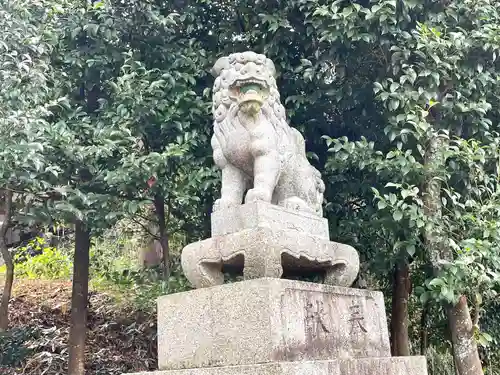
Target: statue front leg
234,181
266,168
234,184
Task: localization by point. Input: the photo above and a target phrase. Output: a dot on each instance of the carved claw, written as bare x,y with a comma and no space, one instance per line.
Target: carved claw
257,194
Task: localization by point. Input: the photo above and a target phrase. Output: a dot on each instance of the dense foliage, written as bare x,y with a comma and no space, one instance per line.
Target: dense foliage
105,114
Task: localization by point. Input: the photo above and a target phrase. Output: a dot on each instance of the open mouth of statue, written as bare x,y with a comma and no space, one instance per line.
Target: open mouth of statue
251,95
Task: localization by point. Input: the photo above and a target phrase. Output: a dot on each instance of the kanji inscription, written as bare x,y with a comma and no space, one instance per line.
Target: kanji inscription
315,320
329,324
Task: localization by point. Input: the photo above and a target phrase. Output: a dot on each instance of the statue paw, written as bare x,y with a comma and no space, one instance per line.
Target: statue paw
221,204
257,194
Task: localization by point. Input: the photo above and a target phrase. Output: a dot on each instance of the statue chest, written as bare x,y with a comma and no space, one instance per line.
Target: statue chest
237,150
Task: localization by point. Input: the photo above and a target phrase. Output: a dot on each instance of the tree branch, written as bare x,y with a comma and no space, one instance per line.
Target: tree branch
146,229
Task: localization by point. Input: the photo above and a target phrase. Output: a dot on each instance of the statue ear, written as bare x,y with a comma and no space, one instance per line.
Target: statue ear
220,65
270,66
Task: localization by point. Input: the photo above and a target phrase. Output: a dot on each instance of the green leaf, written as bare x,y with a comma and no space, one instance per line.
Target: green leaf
447,294
397,215
479,299
306,62
337,147
419,290
133,207
390,155
436,282
410,249
377,87
487,336
393,104
424,297
392,199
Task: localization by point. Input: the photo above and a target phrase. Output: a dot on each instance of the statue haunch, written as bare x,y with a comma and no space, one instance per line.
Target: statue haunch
258,152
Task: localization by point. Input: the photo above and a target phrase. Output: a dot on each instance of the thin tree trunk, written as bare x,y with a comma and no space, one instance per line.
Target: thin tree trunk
424,335
9,263
436,246
465,350
79,299
159,203
400,343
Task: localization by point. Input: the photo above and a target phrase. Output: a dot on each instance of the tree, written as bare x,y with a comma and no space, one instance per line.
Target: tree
83,148
438,92
145,78
157,98
24,94
107,135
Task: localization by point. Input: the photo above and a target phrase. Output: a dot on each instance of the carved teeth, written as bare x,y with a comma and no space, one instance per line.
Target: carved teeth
240,83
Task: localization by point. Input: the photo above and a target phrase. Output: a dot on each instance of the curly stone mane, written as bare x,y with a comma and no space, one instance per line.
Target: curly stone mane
224,104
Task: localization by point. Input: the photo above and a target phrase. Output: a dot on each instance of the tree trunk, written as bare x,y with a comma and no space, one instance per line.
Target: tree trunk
437,247
400,343
79,299
159,203
465,347
465,350
9,263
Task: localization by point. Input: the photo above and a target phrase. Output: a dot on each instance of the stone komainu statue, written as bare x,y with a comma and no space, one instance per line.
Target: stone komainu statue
280,229
253,144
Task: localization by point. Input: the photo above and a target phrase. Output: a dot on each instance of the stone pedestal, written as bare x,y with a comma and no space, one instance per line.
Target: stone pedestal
269,320
273,326
265,215
264,239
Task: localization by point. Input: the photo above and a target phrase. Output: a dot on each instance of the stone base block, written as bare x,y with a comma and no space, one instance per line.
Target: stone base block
266,252
365,366
269,320
265,215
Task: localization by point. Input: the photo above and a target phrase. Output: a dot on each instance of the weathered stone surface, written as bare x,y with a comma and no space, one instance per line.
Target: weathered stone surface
253,144
365,366
259,214
269,320
265,252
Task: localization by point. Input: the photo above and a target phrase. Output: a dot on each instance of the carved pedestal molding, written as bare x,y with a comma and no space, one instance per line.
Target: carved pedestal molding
259,214
264,239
